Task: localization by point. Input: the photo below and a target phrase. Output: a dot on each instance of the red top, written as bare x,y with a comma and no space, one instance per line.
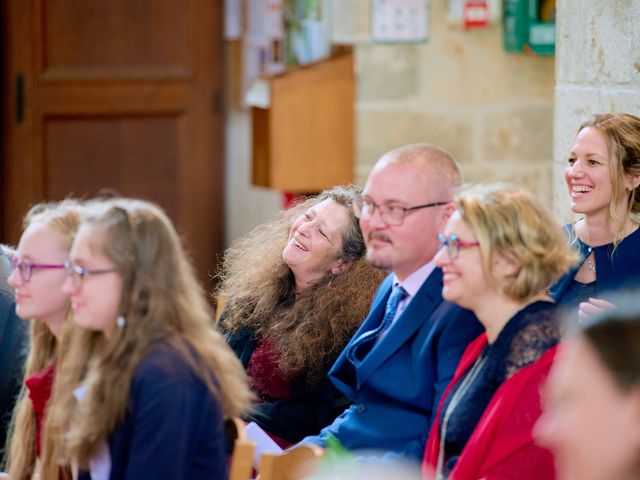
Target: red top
39,385
264,375
501,446
266,379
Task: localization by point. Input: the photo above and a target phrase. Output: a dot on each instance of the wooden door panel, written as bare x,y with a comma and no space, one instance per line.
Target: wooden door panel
120,95
113,151
102,39
89,39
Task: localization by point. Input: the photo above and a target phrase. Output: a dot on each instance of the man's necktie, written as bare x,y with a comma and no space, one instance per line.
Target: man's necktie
365,342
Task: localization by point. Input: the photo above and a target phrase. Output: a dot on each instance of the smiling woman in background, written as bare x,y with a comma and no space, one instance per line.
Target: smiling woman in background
294,292
602,175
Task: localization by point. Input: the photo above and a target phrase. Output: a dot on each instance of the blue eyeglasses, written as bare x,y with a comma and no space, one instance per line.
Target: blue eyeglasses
453,244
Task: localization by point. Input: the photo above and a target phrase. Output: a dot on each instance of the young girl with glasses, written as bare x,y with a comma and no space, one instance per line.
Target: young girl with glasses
147,383
37,278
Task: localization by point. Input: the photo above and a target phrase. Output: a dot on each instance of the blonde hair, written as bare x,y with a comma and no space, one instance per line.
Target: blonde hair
508,221
161,300
64,217
621,132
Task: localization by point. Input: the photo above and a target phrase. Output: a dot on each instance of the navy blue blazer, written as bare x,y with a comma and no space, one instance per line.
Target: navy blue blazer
173,428
618,268
397,387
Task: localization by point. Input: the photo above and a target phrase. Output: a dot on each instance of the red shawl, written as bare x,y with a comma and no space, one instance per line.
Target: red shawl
501,446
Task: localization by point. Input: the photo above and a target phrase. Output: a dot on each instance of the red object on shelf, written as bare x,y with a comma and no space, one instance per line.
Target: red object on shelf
475,14
289,199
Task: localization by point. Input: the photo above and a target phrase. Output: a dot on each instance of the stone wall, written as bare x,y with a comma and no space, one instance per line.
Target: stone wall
598,71
461,90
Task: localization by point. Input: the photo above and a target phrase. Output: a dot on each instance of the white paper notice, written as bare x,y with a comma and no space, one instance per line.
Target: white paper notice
264,443
399,21
232,19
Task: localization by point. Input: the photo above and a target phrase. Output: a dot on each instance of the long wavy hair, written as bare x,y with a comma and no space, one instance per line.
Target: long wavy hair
44,348
311,327
162,302
622,135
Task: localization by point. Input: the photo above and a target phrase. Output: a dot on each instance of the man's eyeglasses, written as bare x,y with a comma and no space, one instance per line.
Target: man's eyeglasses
26,267
453,245
77,273
390,214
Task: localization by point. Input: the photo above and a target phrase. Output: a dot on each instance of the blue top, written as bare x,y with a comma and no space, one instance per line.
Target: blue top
525,338
616,269
397,386
173,427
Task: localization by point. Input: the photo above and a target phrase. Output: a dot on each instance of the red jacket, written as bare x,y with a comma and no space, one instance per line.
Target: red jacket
501,447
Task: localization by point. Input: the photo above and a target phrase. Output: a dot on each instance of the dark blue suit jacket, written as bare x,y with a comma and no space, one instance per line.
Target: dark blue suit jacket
399,384
173,428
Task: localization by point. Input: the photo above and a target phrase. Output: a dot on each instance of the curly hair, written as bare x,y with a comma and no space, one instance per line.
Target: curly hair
311,327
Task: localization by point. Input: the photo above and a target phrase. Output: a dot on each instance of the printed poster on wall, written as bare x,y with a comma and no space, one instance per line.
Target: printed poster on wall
399,21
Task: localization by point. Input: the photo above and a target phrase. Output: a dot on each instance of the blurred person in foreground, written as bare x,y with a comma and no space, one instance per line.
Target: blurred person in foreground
591,418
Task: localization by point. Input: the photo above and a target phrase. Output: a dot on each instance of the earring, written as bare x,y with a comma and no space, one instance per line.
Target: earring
121,322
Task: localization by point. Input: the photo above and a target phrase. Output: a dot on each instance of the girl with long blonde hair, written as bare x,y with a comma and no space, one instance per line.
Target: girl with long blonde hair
145,389
37,278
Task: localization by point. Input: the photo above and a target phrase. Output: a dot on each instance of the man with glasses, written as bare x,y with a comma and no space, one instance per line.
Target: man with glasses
403,356
13,347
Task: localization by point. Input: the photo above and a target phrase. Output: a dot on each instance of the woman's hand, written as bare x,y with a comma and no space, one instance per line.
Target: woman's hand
592,308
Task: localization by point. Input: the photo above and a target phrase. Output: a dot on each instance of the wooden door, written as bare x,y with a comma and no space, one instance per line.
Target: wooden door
122,95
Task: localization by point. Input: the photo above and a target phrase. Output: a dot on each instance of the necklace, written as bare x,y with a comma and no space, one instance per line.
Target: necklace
457,397
591,266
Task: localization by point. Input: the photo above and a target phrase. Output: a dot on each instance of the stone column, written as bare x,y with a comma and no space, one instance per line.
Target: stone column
597,71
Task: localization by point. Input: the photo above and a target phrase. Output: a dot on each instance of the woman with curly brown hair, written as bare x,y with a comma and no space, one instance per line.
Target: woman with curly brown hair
295,290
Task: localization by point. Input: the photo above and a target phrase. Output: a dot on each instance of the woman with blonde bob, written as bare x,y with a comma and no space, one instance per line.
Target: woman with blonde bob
37,278
144,392
500,251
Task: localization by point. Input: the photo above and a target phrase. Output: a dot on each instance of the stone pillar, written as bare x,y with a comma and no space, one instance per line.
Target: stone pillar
597,71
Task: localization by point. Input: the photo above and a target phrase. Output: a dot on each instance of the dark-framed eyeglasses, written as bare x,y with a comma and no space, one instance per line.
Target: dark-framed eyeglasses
390,214
453,244
26,267
77,273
